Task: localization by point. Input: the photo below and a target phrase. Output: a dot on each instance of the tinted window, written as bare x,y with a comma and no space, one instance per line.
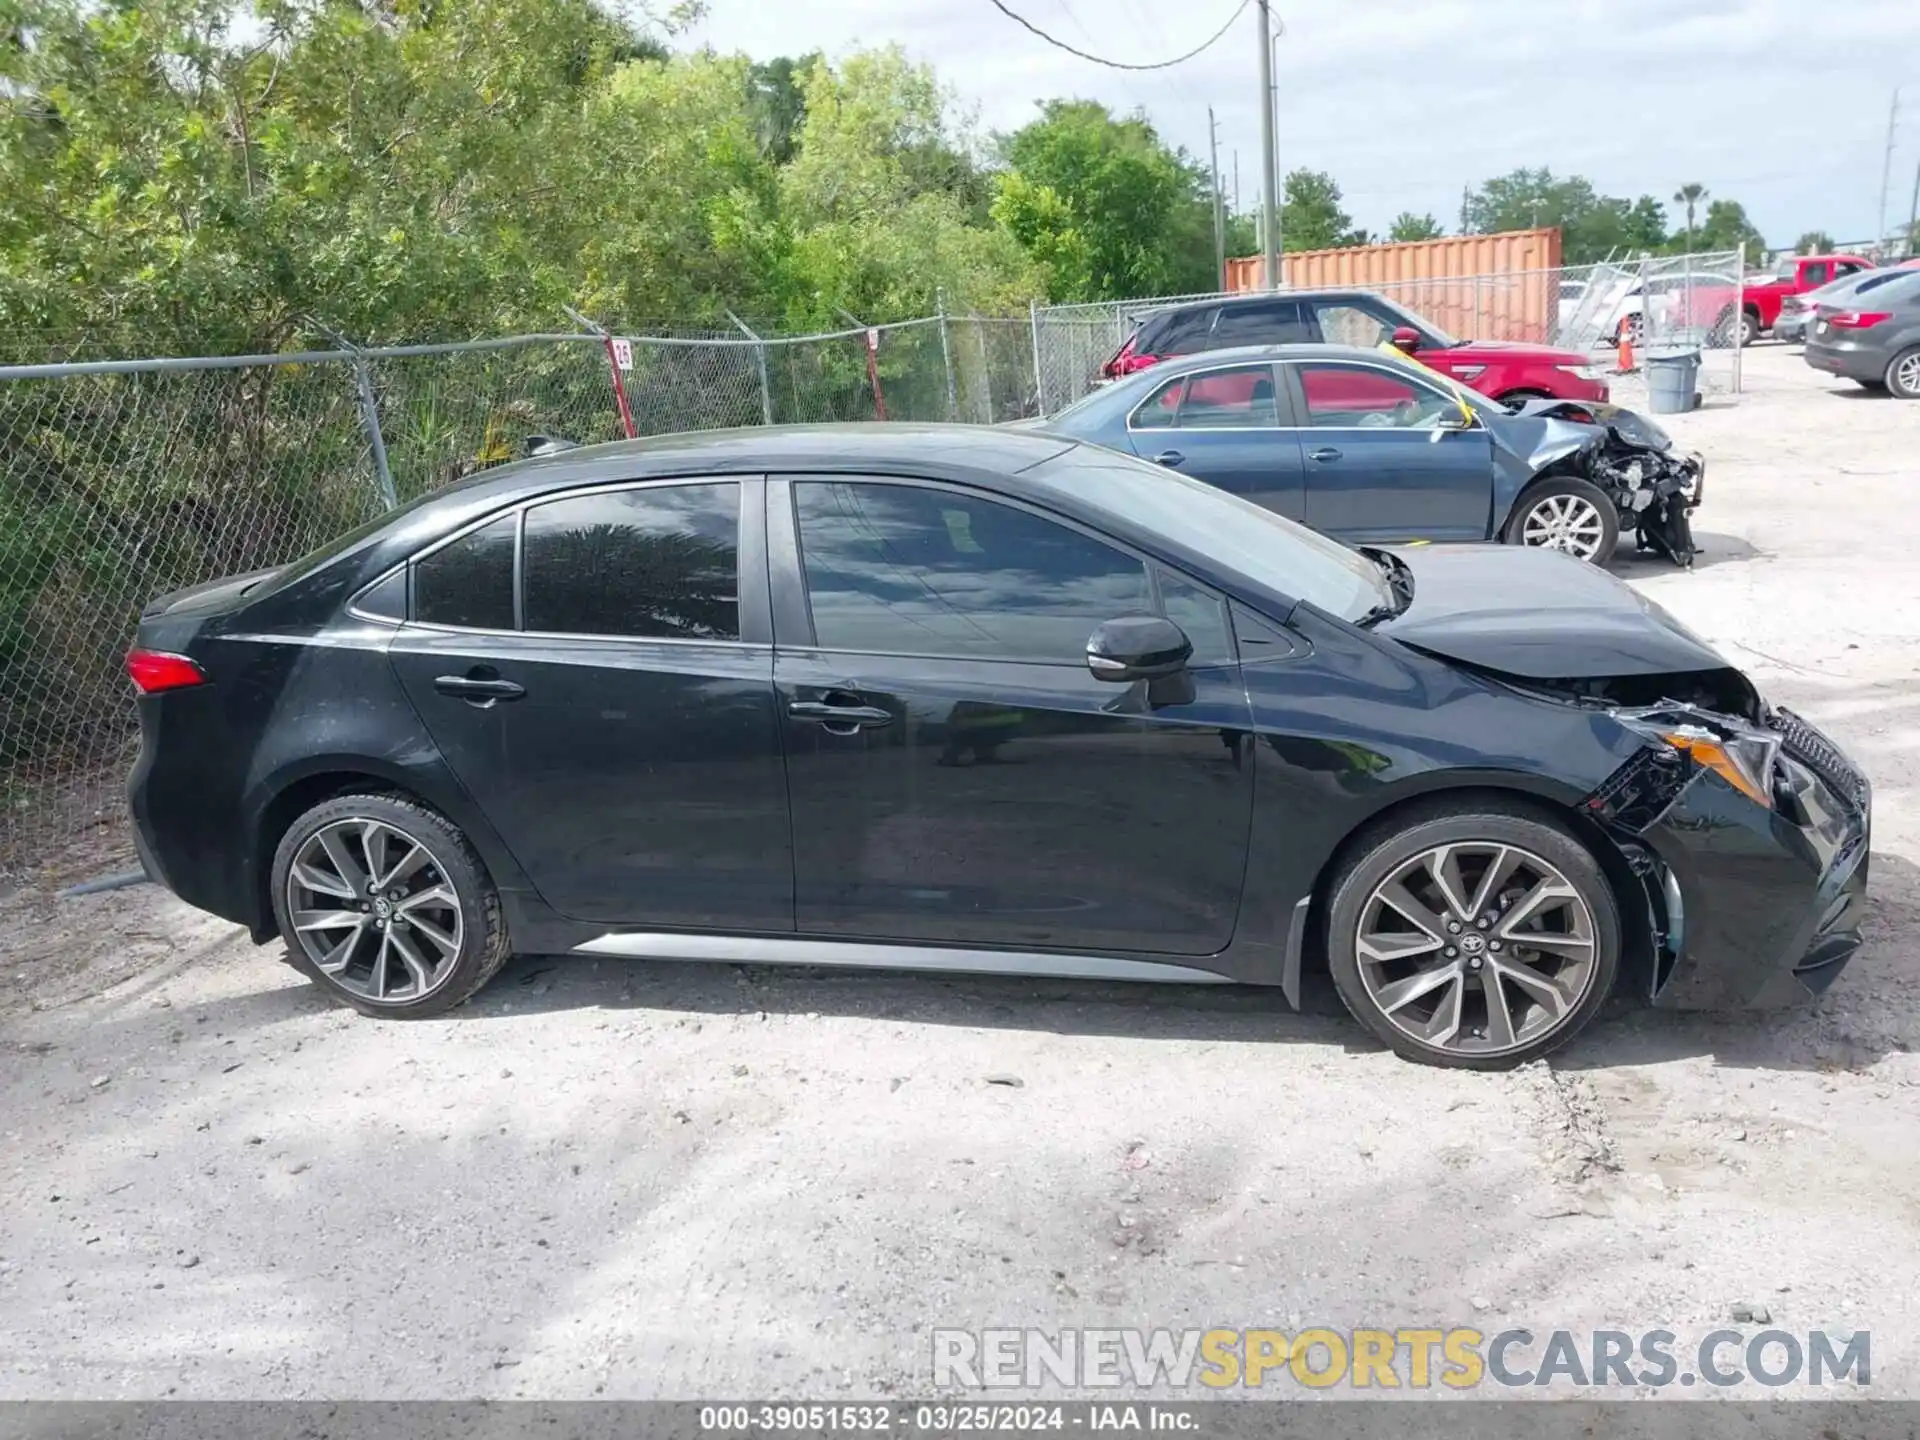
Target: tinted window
1229,399
903,569
1816,274
1270,322
1340,396
1158,410
1202,615
1181,332
470,582
1344,323
657,563
1233,533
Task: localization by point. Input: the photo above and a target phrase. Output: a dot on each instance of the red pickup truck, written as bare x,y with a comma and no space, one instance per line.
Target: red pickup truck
1711,307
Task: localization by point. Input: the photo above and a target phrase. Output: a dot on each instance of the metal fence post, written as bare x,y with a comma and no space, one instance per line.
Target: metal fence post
1039,383
1647,306
620,401
760,357
370,417
1738,320
946,355
369,412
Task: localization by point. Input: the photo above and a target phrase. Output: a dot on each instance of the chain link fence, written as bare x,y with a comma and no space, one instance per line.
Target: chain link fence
1660,303
124,479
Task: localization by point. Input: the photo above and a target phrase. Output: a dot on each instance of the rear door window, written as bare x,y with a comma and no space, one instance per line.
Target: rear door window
468,583
1237,398
1260,322
1182,332
658,562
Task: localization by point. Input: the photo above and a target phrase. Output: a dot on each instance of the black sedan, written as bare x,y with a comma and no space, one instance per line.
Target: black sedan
975,700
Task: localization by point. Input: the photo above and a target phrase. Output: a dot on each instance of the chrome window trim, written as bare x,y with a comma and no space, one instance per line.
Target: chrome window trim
1192,375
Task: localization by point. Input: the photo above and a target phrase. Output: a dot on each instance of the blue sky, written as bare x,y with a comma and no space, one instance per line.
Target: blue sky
1780,104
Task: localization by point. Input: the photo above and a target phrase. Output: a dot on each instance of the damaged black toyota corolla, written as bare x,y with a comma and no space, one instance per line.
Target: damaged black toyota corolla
967,700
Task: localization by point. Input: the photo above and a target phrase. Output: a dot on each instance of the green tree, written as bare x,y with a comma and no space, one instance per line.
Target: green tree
1646,224
1814,242
882,200
1690,195
777,104
1726,227
1310,213
1409,226
1105,205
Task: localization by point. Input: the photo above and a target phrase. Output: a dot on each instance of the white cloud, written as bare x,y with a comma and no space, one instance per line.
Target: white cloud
1780,104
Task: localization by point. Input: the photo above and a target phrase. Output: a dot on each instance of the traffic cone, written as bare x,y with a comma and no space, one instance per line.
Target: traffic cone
1623,362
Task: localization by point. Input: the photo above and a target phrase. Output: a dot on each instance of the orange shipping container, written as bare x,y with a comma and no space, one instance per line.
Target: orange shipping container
1479,287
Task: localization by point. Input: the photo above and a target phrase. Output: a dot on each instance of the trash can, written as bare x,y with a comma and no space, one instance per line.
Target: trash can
1672,378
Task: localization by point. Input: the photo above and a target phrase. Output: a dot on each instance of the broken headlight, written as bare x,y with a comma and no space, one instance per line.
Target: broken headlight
1740,753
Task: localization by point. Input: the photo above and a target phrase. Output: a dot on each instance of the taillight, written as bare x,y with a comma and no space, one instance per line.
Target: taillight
1130,363
1858,319
154,671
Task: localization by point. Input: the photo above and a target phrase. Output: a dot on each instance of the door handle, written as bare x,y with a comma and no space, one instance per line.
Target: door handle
1170,458
839,719
478,689
1326,454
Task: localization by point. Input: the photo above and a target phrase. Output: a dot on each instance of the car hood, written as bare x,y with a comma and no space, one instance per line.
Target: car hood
1517,350
1540,615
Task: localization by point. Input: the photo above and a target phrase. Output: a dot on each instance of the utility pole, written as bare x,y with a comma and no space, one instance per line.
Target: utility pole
1912,245
1269,203
1886,168
1219,216
1236,180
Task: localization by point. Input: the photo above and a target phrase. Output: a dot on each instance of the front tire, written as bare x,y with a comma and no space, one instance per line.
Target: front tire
1473,934
383,904
1568,514
1903,374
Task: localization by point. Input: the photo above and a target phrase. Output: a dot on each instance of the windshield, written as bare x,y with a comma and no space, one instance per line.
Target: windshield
1275,552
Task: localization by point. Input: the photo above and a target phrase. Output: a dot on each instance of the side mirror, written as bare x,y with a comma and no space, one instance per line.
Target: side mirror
1460,418
1138,647
1406,338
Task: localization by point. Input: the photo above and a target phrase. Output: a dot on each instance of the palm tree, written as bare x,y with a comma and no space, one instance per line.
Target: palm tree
1690,195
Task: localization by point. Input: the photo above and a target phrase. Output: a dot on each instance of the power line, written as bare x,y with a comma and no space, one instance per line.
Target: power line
1206,44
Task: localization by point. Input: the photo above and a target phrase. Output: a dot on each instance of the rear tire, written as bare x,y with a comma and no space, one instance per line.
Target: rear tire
1903,374
384,905
1565,513
1459,985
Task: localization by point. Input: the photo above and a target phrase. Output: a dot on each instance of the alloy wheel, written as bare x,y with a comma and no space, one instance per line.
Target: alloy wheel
1476,947
1906,374
1565,522
374,911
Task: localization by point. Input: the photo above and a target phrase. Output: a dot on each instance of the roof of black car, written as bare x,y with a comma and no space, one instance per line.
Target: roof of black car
754,449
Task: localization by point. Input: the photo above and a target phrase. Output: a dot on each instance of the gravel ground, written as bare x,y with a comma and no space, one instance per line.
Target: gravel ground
633,1180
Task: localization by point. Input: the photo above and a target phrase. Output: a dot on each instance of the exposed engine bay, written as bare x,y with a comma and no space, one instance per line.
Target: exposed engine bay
1653,486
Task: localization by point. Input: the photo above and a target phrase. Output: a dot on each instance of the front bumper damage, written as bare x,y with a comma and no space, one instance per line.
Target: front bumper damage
1748,906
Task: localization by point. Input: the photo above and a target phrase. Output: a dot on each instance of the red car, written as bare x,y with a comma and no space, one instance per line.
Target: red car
1506,370
1760,298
